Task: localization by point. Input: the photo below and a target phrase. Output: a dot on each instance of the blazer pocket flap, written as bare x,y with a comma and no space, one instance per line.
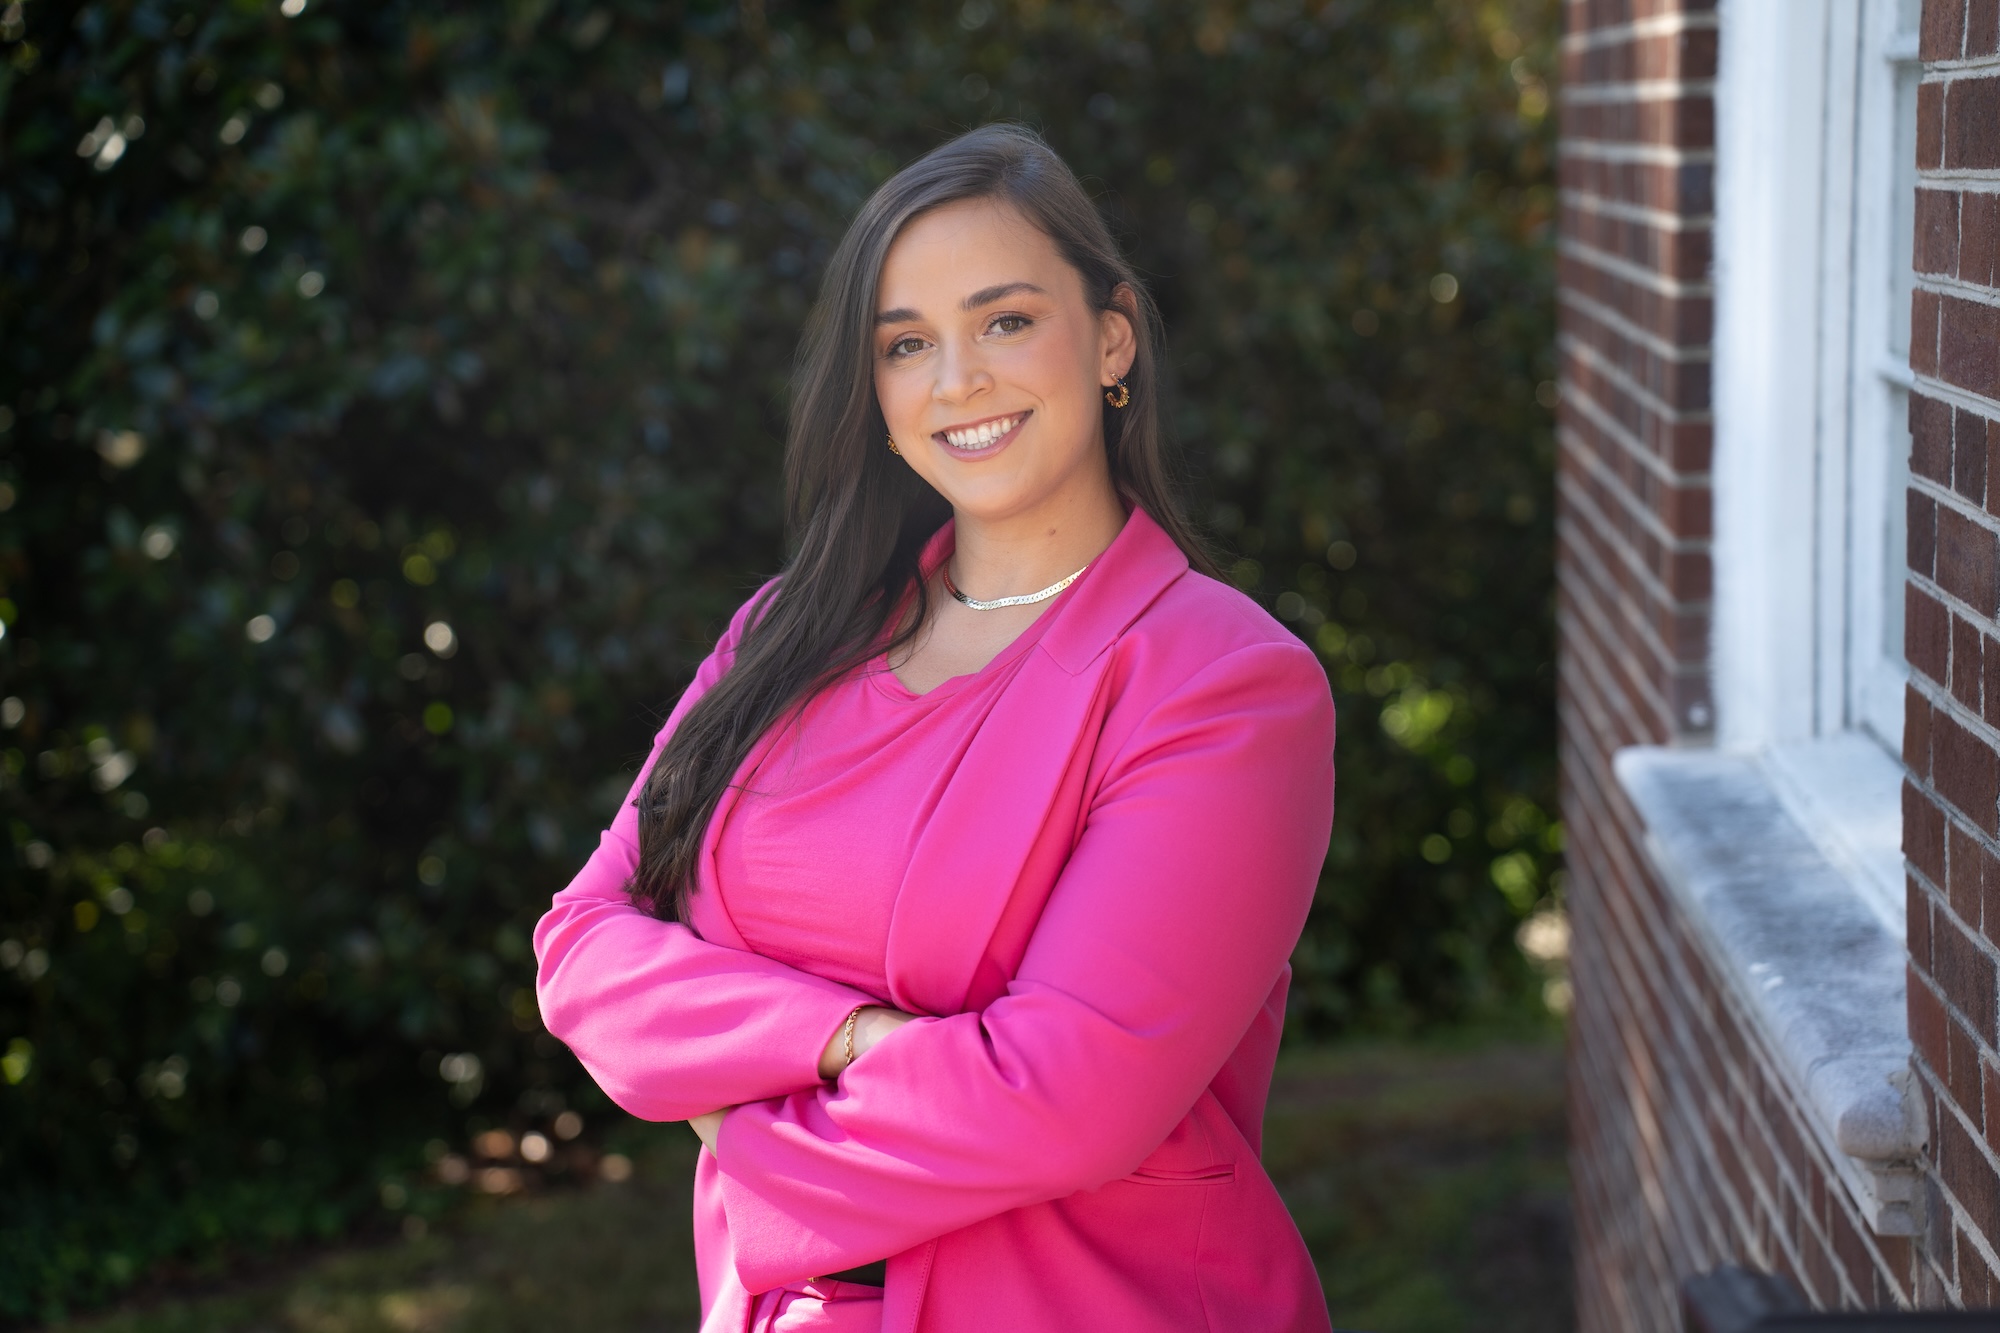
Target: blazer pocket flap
1194,1154
1220,1174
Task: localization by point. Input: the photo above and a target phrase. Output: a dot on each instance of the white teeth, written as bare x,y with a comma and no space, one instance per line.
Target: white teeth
978,437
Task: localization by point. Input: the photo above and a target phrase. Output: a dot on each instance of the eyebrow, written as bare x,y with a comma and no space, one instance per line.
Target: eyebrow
984,296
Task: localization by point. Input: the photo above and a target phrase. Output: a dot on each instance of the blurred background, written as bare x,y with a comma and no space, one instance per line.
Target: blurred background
390,413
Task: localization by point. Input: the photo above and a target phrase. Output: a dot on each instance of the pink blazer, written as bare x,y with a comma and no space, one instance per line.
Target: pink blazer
1096,924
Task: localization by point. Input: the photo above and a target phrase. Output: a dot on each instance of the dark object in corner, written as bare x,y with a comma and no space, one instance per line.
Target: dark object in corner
1736,1300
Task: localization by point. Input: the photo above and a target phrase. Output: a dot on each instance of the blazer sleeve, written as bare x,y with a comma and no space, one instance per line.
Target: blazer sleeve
1162,939
670,1025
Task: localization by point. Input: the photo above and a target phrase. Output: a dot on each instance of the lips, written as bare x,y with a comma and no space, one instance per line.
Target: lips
981,439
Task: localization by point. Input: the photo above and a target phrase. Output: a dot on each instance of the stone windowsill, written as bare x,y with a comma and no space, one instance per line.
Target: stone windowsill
1778,861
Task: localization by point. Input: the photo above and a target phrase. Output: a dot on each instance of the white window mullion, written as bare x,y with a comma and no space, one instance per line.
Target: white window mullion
1836,520
1885,225
1770,171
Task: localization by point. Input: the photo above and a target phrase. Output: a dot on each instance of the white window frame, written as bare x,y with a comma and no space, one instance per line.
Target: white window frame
1815,205
1783,843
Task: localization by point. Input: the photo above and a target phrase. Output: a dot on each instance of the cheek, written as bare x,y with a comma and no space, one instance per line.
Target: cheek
1058,371
890,396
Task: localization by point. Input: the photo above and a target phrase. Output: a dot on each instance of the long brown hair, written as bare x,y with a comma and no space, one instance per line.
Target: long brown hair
859,516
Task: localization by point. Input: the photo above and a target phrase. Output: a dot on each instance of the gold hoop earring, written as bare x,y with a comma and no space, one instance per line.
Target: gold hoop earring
1121,396
892,447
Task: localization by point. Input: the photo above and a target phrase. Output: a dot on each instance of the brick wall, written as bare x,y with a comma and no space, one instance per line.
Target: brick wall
1634,434
1637,172
1686,1151
1951,807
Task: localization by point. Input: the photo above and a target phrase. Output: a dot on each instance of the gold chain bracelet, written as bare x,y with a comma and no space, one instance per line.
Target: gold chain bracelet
847,1034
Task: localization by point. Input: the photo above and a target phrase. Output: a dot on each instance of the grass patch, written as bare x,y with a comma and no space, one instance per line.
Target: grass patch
1430,1183
1428,1180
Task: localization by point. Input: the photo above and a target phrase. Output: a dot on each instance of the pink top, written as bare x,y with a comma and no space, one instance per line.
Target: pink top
1092,922
809,860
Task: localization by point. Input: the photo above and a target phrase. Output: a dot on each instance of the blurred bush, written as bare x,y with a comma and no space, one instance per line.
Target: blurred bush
389,418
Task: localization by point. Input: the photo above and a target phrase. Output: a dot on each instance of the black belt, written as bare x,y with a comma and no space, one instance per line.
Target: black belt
867,1275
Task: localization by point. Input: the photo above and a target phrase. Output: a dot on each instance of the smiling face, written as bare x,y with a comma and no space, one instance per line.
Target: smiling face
990,364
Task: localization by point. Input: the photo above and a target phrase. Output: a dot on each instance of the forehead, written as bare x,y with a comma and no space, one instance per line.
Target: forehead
951,252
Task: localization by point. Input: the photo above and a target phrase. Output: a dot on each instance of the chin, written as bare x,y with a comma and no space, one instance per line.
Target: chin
993,506
1011,491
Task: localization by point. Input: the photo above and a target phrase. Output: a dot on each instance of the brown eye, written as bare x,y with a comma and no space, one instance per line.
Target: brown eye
906,346
1011,323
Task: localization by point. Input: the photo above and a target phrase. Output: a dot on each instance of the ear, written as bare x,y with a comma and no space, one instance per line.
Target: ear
1118,339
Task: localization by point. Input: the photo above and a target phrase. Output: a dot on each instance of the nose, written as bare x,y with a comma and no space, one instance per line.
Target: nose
961,372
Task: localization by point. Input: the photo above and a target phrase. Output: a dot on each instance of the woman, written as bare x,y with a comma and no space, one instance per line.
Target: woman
954,904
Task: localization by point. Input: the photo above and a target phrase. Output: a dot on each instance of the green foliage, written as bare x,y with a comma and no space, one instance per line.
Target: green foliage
390,417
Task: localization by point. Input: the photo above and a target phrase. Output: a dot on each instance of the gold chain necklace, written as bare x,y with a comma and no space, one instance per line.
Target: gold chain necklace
1025,599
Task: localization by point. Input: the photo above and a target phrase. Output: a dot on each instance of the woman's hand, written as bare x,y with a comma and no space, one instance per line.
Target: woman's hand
875,1022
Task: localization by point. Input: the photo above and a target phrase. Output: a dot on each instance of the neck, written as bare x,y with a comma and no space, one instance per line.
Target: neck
1026,553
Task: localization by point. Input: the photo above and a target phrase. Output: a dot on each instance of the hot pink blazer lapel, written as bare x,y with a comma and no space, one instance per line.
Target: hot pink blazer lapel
1011,787
968,862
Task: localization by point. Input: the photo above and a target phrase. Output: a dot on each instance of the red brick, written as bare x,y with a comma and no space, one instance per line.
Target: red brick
1982,28
1964,1081
1965,974
1968,560
1943,1250
1964,770
1969,344
1930,438
1987,921
1924,308
1680,55
1923,829
1990,654
1972,124
1937,231
1967,662
1962,882
1973,433
1930,126
1917,715
1992,463
1922,534
1976,1287
1942,33
1822,1283
1968,455
1917,738
1968,1174
1978,247
1989,1078
1855,1260
1926,634
1927,1025
1917,920
1785,1136
1897,1257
